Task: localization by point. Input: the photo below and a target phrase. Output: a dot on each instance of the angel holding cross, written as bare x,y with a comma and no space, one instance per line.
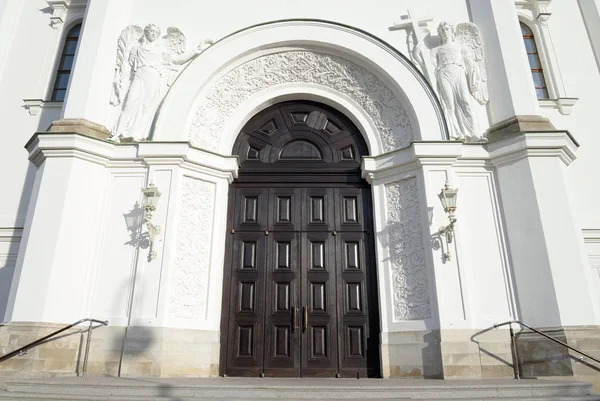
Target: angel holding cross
146,67
460,75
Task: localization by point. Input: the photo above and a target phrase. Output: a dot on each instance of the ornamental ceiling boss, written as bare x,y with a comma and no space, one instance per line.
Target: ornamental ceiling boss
147,66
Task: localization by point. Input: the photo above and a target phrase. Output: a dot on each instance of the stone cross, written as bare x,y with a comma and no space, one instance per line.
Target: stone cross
413,24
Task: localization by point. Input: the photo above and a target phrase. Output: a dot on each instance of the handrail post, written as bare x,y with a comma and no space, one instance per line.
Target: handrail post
87,349
514,352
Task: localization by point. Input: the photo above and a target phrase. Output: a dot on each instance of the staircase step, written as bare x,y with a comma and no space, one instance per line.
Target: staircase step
220,389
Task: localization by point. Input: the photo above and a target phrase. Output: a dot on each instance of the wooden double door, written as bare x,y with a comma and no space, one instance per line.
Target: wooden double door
301,296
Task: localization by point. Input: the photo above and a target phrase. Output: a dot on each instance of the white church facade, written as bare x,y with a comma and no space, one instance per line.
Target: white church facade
300,152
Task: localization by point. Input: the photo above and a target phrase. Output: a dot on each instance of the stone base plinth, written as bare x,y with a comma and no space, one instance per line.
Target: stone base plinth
114,351
80,126
411,354
447,354
541,357
487,354
517,125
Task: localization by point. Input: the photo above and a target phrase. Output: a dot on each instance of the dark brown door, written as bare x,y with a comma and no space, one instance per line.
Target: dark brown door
299,298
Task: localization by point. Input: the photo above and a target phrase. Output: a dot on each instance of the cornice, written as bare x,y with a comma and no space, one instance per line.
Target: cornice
60,9
43,146
418,154
533,144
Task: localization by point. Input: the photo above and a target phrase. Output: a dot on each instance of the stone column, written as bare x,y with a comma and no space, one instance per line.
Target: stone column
546,250
90,85
509,77
58,250
546,246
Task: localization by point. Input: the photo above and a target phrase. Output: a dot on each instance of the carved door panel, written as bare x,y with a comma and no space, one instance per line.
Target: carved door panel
282,353
352,282
299,283
247,284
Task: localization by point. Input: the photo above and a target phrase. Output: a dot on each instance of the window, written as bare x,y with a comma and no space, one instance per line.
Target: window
65,65
534,62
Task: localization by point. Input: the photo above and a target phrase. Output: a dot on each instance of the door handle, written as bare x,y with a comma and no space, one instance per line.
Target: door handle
295,320
305,320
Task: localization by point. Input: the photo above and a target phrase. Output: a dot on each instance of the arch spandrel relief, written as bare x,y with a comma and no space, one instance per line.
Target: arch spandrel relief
304,67
146,66
454,65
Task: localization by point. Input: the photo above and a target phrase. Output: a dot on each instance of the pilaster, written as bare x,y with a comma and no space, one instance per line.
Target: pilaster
58,249
90,83
510,84
546,246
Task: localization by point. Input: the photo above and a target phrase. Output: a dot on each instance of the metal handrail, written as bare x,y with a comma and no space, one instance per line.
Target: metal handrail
25,348
513,344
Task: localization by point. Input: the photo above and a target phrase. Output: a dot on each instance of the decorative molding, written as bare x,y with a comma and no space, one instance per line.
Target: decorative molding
296,66
534,13
34,106
11,234
60,9
563,104
591,236
192,263
407,252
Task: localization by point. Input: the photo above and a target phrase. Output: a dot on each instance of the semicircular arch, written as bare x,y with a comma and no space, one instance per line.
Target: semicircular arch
384,95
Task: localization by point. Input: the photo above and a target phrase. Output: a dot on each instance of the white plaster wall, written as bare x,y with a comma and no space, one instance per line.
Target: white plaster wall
29,74
482,249
28,46
581,79
9,247
592,247
114,280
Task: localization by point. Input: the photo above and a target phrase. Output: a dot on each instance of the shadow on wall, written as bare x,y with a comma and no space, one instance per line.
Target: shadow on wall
7,272
46,117
6,277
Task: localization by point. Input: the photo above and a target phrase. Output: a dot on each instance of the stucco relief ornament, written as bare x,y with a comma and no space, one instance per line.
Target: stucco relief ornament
146,67
458,74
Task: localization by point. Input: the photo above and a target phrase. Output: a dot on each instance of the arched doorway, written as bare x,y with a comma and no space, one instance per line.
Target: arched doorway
300,290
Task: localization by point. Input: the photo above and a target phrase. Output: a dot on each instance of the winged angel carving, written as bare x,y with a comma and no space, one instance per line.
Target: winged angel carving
147,66
459,69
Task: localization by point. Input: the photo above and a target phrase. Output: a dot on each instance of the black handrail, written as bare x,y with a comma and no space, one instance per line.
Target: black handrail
23,349
513,344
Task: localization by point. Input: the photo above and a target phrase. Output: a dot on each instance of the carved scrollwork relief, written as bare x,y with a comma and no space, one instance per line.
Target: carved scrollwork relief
366,89
407,252
194,234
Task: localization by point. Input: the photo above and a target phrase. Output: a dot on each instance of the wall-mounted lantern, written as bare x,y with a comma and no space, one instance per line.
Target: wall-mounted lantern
151,197
448,198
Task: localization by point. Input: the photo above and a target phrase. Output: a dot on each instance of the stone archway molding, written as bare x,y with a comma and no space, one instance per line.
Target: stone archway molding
346,65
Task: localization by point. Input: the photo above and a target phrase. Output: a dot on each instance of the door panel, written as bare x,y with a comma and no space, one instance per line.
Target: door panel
350,207
250,209
352,303
299,284
245,335
317,209
282,300
319,340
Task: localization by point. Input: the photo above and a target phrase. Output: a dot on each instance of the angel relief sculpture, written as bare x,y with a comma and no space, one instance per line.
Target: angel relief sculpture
459,76
146,67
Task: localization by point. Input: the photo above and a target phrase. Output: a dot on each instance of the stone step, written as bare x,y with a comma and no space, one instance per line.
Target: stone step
113,389
57,397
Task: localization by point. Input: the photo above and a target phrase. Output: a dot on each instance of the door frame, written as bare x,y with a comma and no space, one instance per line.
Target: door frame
319,175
